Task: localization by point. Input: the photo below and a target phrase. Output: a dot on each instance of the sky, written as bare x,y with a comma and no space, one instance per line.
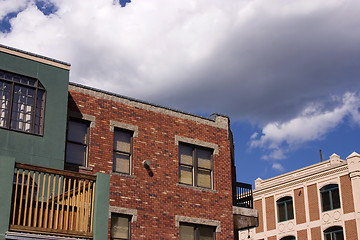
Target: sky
287,73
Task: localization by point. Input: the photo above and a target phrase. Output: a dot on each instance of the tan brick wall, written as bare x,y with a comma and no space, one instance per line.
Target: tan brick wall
258,207
270,213
316,233
346,194
302,235
299,205
158,198
313,202
350,229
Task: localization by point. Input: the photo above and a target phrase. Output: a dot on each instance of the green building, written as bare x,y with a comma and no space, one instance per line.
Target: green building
38,197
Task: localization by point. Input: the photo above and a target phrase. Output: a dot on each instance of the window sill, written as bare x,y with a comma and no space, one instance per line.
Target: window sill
122,175
196,188
86,168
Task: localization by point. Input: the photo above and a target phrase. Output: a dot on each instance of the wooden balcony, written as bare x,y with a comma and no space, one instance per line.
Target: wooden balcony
52,202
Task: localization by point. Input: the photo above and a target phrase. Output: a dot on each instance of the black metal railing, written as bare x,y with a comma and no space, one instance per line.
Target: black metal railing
243,195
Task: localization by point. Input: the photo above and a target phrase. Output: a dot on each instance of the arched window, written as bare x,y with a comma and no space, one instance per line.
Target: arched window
288,238
334,233
22,103
330,198
285,209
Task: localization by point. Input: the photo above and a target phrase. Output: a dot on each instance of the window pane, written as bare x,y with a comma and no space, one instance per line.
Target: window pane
206,233
121,163
4,103
186,175
204,178
119,227
186,155
335,198
204,158
339,235
281,210
289,208
77,131
187,232
325,197
122,141
75,153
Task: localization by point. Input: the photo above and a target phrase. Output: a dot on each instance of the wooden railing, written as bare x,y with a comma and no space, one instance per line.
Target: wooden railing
53,202
243,196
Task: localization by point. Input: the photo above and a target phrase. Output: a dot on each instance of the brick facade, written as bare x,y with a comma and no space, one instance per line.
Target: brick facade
157,198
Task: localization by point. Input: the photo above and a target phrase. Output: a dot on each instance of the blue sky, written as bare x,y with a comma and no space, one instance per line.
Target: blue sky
287,73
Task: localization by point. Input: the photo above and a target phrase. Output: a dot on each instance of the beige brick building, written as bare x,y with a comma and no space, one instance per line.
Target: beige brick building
318,202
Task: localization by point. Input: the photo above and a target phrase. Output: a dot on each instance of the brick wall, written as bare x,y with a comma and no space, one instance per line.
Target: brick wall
346,194
313,202
299,206
158,198
350,229
259,208
302,234
270,213
316,233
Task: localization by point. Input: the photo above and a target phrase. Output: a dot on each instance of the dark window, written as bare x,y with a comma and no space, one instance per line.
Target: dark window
330,197
285,209
77,142
196,165
196,232
334,233
288,238
122,156
22,103
120,227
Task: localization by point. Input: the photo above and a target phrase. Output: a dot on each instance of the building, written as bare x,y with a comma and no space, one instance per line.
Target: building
78,162
318,202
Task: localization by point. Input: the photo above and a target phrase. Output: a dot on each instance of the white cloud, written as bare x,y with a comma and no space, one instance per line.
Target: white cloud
312,124
11,6
278,167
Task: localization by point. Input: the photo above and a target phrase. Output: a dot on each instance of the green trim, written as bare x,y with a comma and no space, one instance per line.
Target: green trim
101,206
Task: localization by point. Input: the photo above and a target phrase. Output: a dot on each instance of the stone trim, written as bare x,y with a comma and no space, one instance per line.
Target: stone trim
83,116
196,188
34,57
202,221
126,126
219,121
125,211
197,142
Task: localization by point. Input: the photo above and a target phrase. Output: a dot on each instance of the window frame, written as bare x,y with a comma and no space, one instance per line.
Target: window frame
196,229
332,230
285,201
36,87
288,238
330,188
131,133
129,217
86,160
194,167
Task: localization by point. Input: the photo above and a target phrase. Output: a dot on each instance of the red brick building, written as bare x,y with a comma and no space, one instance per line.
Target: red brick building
171,173
318,202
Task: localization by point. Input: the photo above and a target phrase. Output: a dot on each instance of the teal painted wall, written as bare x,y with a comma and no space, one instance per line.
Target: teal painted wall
47,150
101,207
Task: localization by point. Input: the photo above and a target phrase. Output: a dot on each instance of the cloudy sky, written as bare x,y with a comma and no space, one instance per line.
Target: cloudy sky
286,72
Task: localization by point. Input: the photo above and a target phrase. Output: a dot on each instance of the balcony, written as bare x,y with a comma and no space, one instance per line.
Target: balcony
52,202
245,216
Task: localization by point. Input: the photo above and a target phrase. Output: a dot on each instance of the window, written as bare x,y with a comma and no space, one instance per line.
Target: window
288,238
122,157
120,226
285,209
330,198
196,165
334,233
22,103
196,232
77,142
